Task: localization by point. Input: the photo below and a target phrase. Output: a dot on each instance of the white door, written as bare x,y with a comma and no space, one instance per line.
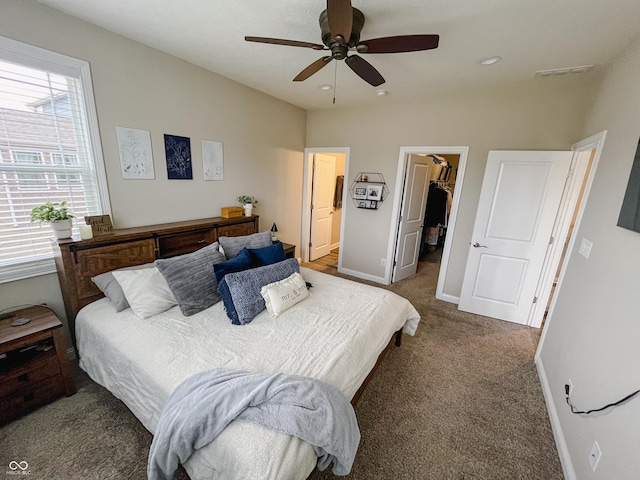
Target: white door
414,202
519,200
323,184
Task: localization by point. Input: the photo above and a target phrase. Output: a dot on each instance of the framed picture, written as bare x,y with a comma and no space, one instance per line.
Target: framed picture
374,192
136,156
212,160
178,154
373,204
362,204
360,193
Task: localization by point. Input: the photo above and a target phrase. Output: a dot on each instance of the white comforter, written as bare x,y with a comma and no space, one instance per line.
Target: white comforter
334,335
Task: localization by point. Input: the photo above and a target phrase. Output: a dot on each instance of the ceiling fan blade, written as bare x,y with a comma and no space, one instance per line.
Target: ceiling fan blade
364,70
313,68
280,41
399,44
340,18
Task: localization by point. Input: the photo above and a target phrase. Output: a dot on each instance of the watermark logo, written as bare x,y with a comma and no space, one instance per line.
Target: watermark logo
18,468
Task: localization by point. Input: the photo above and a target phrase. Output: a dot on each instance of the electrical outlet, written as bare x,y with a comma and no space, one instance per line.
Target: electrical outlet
594,456
383,262
585,248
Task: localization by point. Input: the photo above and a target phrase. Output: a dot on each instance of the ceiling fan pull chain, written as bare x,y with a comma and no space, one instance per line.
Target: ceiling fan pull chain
335,75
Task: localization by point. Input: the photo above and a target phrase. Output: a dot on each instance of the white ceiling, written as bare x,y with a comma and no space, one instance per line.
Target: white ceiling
529,35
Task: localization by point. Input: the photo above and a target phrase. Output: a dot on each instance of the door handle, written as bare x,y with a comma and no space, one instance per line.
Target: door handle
477,245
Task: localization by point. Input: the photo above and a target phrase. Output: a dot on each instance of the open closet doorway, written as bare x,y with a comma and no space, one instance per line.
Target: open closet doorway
435,217
323,194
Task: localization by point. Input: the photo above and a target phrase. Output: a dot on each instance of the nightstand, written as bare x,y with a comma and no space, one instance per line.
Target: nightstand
34,368
289,250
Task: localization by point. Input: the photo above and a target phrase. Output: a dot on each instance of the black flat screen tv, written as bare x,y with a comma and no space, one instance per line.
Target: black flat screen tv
630,211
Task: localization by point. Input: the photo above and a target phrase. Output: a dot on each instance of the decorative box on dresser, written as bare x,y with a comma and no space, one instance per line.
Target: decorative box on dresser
34,368
77,261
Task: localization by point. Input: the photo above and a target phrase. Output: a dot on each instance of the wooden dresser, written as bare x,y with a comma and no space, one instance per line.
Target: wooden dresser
34,368
77,261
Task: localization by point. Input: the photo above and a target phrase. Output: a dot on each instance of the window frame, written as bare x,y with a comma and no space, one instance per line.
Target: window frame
40,58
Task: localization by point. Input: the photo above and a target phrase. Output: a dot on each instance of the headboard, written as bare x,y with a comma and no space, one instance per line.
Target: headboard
77,261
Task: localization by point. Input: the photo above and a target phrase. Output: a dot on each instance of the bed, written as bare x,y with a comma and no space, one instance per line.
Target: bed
338,334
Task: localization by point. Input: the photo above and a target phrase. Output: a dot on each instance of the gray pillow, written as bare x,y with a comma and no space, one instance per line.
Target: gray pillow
233,245
191,278
108,285
243,300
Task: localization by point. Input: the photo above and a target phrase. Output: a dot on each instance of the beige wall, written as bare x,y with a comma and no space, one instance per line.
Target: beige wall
592,336
138,87
546,116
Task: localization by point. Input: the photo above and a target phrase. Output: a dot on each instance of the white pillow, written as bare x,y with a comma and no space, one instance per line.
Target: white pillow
146,290
281,295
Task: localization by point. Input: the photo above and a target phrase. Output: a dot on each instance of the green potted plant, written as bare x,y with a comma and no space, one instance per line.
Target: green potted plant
56,214
248,203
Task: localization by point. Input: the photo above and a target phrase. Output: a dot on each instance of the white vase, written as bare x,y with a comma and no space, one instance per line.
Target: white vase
62,228
248,209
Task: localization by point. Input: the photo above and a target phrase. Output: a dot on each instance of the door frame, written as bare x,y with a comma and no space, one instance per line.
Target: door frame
593,142
306,197
570,203
397,205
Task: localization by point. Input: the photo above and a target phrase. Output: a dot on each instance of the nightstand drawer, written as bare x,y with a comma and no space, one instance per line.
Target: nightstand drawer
31,397
42,365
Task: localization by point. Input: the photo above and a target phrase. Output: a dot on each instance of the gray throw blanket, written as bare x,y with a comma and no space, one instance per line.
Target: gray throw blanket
204,404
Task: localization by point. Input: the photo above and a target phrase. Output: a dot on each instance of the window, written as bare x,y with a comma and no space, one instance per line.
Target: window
49,151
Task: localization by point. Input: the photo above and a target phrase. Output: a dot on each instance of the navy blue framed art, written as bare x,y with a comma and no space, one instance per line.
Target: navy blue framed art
178,154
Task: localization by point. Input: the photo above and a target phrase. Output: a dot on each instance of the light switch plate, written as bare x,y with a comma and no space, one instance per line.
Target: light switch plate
585,248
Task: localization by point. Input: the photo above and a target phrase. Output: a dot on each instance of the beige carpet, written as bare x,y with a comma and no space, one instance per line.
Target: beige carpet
460,400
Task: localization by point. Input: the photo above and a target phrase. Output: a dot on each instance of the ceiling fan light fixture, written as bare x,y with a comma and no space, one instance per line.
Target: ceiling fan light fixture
490,60
340,27
381,93
325,87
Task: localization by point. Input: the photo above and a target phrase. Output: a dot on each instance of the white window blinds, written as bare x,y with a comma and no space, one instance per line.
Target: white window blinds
46,155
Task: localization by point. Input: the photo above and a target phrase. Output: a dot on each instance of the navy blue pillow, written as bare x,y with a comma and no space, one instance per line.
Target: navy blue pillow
267,255
227,299
240,291
238,263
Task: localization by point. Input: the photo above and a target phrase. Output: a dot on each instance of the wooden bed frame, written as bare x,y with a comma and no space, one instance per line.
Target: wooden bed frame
77,261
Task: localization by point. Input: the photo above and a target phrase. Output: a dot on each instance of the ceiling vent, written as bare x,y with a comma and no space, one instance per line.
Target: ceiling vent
563,71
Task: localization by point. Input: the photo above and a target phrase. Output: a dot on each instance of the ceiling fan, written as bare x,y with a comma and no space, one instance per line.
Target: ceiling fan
340,26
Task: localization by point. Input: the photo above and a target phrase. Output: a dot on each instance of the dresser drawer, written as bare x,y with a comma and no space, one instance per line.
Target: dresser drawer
187,242
238,230
31,397
41,366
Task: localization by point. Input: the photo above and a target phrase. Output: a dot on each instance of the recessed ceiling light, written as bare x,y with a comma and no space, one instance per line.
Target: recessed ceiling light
381,93
325,87
489,60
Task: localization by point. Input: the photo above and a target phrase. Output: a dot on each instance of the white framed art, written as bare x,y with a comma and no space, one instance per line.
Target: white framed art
212,160
136,156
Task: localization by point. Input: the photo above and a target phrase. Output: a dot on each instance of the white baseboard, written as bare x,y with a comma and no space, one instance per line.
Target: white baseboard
445,297
334,246
364,276
561,444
